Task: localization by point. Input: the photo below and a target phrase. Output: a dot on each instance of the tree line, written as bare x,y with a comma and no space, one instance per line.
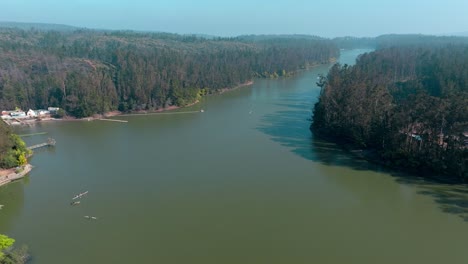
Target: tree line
87,72
392,40
407,105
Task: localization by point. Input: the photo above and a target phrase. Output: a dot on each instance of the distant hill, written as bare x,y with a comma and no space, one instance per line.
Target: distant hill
205,36
389,40
67,28
38,26
261,38
354,42
462,34
95,71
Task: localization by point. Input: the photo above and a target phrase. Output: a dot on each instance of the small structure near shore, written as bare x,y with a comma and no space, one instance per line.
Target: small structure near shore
18,116
50,143
113,120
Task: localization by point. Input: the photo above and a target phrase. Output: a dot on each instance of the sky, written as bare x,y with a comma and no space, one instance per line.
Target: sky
326,18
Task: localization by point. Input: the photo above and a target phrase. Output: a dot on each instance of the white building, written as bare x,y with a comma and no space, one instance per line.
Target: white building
42,112
31,113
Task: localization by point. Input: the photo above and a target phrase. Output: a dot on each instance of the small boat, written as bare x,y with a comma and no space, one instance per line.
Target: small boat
87,217
79,195
75,203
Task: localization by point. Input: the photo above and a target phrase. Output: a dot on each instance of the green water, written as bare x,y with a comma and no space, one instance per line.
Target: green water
243,182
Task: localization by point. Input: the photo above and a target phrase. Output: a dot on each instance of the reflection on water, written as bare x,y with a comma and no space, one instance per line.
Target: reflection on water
290,128
451,198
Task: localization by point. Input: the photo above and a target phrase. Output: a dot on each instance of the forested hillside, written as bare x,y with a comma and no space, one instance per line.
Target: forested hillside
409,104
355,42
87,72
394,40
418,40
37,26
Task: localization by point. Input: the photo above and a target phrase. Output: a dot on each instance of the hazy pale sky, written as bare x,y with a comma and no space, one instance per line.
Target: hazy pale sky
327,18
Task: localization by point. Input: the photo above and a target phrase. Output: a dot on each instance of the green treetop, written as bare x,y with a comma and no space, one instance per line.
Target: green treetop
5,242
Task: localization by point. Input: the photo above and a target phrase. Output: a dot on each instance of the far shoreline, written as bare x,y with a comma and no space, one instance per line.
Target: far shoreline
371,156
117,113
167,109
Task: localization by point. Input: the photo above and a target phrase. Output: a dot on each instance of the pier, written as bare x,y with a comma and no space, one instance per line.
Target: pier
164,113
34,134
50,143
113,120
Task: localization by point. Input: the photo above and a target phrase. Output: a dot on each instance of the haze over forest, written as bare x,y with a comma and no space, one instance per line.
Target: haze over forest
324,18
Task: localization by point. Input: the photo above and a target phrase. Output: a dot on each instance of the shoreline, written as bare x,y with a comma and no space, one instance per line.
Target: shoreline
10,175
167,109
117,113
372,156
224,90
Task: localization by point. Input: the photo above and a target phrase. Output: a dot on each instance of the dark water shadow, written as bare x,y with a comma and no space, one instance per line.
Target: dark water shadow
290,128
452,198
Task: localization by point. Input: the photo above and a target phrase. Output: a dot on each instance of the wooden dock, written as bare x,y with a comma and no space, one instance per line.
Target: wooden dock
34,134
50,143
163,113
20,121
113,120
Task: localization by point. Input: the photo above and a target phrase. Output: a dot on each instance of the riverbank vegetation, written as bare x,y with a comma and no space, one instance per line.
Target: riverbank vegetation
405,106
13,150
9,255
87,72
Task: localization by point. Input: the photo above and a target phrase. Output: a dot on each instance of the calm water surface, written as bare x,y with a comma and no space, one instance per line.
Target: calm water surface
243,182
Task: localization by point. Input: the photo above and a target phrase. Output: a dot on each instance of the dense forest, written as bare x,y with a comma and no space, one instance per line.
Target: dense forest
418,40
406,105
391,40
87,72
